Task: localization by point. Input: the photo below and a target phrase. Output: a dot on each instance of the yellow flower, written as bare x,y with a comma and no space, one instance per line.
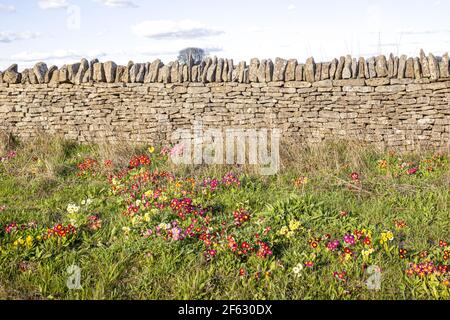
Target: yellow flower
367,253
386,236
284,230
29,241
147,217
151,149
290,234
294,225
149,193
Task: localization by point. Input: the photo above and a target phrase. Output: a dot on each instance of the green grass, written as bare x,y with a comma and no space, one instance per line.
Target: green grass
118,262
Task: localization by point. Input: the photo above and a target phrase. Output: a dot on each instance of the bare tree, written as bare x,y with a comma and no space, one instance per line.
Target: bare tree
191,55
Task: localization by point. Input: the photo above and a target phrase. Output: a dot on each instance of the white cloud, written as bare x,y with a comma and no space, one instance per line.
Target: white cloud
53,4
291,7
169,29
65,55
118,3
9,36
7,8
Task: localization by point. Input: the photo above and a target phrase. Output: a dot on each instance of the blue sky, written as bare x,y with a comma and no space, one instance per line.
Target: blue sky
63,31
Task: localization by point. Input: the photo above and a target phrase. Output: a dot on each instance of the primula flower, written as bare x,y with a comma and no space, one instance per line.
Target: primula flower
333,245
382,164
297,269
412,170
354,176
386,236
294,225
300,181
350,239
309,264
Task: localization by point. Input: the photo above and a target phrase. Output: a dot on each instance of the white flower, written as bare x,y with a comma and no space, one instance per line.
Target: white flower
297,269
72,208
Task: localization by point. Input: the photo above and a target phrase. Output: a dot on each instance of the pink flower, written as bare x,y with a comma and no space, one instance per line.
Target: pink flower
412,170
333,245
354,176
350,239
177,150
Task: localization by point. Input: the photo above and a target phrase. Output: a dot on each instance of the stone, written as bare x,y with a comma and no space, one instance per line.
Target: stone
424,64
49,74
361,67
318,72
339,68
323,84
310,69
241,72
279,69
347,70
174,74
391,66
354,68
433,66
126,76
194,74
401,67
443,66
91,70
349,82
381,66
31,77
375,82
299,72
391,88
219,70
63,76
371,65
297,84
72,70
25,77
269,70
166,73
207,64
185,72
39,70
230,69
152,75
290,70
120,70
409,72
417,69
99,72
211,73
325,73
110,69
82,70
142,70
11,75
333,68
396,62
54,78
253,70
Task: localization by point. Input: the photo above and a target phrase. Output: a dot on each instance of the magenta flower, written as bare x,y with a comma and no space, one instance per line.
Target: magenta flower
350,239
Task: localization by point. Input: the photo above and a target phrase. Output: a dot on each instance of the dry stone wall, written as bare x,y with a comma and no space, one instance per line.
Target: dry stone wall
401,102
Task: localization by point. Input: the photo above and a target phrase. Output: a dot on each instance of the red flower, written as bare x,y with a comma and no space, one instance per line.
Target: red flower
402,253
355,176
309,264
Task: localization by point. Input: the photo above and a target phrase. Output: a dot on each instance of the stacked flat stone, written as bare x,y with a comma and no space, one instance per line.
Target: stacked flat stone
212,69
